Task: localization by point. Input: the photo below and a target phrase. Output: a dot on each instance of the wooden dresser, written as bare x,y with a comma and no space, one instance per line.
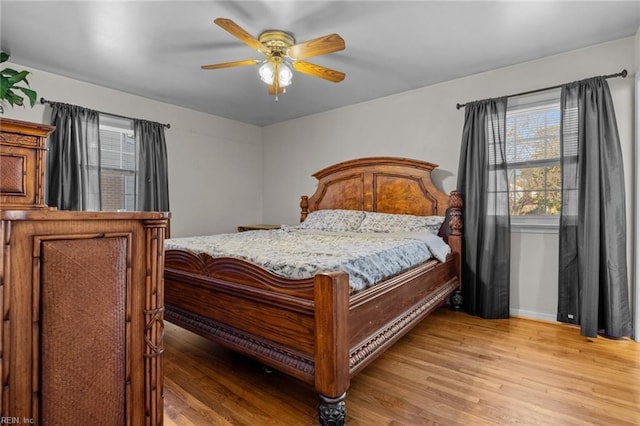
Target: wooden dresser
82,302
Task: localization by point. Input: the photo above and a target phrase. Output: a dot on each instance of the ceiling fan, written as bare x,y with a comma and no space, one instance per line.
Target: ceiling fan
282,54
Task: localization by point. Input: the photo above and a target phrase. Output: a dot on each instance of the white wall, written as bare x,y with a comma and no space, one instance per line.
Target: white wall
215,164
425,124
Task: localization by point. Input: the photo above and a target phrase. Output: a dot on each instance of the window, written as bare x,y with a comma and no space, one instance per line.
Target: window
118,163
533,160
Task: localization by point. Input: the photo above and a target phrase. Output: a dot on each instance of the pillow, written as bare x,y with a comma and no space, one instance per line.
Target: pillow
388,222
333,220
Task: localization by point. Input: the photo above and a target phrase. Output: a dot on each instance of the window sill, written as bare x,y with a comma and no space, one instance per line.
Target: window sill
535,224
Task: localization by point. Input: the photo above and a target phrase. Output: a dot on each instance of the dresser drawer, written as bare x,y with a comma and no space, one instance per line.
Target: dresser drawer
21,177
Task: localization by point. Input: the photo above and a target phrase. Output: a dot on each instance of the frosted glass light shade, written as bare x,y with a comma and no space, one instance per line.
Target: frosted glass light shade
266,72
285,75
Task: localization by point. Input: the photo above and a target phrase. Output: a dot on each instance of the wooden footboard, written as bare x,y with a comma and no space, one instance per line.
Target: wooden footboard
244,307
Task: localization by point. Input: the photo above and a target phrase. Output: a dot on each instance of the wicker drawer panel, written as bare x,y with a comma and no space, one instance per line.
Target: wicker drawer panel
83,301
18,176
12,174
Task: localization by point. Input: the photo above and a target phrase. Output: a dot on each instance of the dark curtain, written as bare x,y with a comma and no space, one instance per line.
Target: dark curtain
593,287
73,158
482,179
152,187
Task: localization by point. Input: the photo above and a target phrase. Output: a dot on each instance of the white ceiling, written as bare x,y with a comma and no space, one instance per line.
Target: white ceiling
155,48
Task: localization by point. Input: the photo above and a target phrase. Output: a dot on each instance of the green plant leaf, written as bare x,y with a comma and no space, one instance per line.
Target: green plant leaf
12,98
4,86
8,72
9,80
31,94
18,77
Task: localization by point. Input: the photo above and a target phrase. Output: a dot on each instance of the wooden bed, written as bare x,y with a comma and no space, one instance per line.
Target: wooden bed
313,329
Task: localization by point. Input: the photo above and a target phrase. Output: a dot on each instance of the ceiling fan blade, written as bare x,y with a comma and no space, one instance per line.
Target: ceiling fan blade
318,46
230,64
319,71
237,31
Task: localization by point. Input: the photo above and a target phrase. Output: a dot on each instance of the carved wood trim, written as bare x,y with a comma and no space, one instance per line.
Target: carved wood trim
154,319
455,224
397,328
10,125
304,207
234,270
287,359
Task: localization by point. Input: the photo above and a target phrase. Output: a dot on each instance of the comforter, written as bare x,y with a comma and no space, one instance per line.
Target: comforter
297,253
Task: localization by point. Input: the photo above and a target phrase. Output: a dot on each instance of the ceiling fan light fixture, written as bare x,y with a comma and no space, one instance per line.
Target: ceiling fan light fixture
268,69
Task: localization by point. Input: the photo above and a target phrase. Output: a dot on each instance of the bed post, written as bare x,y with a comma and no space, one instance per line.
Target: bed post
331,295
304,207
455,225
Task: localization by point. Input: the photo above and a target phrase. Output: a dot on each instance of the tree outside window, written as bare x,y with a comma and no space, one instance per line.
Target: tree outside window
533,158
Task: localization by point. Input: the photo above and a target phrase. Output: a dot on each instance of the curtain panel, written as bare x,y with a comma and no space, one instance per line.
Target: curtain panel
152,186
73,159
483,182
593,283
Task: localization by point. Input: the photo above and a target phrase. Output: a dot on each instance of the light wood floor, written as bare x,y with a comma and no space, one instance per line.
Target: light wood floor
452,369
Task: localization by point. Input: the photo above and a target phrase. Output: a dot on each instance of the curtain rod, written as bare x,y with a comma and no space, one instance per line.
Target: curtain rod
45,101
622,74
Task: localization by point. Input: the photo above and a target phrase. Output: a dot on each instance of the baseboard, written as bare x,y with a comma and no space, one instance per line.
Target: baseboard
532,315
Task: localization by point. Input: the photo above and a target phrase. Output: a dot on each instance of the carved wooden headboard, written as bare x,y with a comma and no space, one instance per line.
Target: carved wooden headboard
377,184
